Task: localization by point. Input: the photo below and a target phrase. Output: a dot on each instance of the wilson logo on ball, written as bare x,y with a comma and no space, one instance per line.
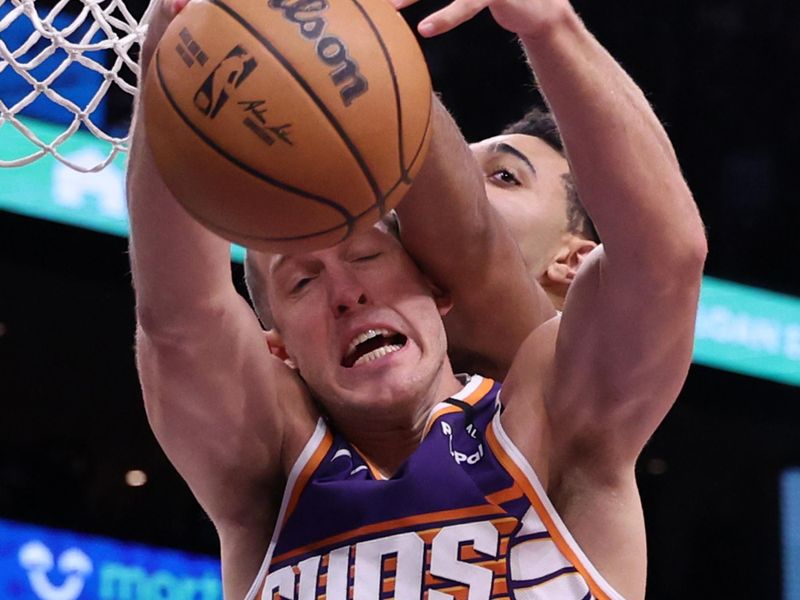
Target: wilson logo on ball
229,74
332,51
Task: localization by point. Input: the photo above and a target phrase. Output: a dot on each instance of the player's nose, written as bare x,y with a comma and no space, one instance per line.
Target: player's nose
345,292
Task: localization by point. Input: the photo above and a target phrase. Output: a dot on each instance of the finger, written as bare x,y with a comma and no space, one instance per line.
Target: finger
162,14
450,16
398,4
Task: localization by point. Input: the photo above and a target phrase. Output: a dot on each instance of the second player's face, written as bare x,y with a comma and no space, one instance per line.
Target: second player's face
359,321
525,183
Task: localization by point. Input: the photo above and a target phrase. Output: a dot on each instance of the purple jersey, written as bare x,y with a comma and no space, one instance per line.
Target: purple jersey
464,518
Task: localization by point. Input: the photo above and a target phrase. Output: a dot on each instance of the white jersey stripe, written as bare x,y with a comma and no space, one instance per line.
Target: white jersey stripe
308,451
526,468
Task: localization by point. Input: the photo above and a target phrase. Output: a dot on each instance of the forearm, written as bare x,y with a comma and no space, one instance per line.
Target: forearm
445,215
449,227
177,265
622,160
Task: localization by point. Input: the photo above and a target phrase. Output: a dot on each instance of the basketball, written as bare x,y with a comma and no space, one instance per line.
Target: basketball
288,125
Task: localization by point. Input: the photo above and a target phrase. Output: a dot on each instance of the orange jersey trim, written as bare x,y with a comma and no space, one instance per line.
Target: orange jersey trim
473,398
404,522
510,493
308,470
374,470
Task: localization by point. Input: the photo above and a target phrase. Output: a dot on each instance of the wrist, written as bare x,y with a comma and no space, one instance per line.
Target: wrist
565,23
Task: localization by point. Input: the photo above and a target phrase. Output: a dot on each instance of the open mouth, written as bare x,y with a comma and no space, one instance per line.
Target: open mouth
372,345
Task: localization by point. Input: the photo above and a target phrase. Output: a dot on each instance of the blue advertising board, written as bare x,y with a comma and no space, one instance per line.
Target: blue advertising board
38,563
790,517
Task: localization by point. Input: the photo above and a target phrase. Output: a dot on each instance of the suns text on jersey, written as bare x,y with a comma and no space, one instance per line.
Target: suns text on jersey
459,561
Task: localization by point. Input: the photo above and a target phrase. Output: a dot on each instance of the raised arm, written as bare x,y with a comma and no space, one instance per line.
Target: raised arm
590,390
455,235
625,339
210,386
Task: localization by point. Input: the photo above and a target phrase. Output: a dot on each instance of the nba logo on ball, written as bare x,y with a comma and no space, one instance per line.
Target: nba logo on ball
288,125
230,73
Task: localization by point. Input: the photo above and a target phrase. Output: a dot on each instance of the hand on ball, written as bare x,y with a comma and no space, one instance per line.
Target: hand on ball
526,18
162,15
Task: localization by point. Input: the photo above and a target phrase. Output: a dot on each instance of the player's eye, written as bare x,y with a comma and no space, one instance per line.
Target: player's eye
503,177
366,257
300,284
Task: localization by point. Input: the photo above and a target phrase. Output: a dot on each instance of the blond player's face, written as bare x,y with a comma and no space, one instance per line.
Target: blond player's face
524,182
359,320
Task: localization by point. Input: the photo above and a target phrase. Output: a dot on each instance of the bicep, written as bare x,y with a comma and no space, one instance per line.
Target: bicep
212,395
622,354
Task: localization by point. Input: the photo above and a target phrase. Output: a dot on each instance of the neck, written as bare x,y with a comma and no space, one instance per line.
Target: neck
387,435
387,451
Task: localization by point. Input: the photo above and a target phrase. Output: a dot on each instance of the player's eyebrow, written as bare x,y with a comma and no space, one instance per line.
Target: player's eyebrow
279,262
503,148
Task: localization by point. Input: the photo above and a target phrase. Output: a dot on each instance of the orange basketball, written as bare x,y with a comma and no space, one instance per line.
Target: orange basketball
288,125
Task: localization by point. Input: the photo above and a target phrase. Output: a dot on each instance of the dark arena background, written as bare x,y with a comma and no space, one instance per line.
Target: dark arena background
720,480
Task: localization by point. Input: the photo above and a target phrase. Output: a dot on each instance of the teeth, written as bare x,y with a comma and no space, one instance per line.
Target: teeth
363,337
377,353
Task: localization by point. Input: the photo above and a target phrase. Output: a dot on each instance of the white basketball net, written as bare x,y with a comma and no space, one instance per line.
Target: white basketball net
64,36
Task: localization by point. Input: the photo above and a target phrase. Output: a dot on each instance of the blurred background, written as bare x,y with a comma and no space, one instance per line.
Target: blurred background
720,480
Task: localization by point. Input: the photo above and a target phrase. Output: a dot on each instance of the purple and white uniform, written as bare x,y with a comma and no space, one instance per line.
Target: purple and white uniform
464,518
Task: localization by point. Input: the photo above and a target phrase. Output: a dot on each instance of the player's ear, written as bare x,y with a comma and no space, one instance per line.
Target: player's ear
564,266
276,346
444,300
